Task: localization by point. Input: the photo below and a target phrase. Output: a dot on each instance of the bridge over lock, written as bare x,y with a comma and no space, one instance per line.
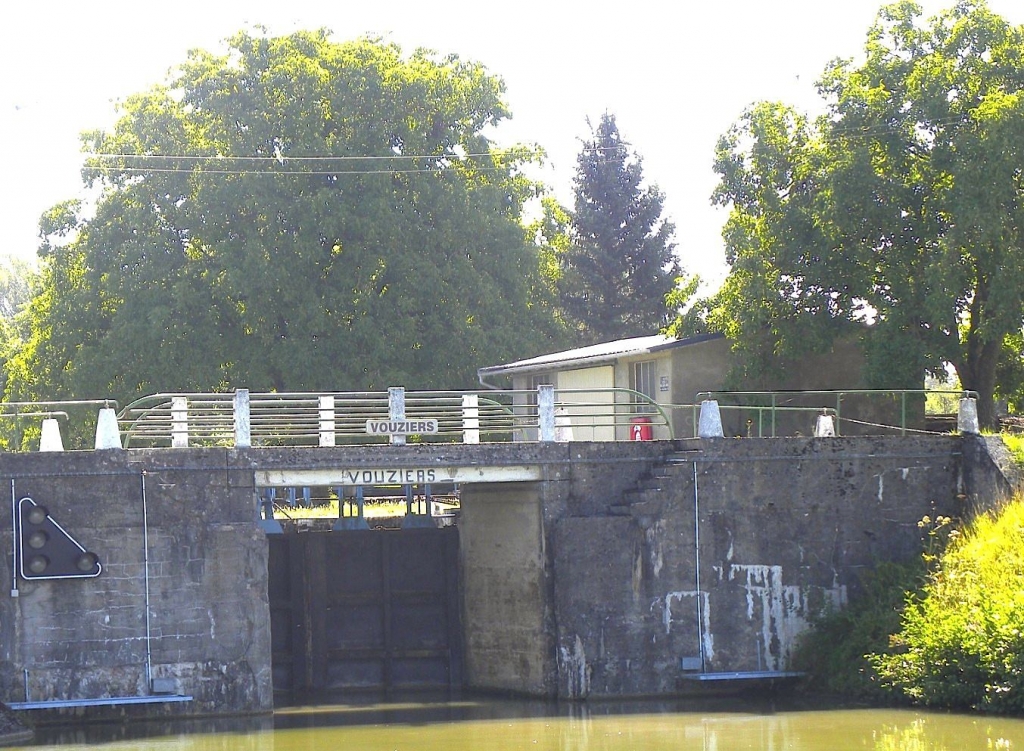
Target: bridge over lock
575,568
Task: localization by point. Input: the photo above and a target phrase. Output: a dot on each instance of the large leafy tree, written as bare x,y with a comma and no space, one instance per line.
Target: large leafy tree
899,212
294,214
620,263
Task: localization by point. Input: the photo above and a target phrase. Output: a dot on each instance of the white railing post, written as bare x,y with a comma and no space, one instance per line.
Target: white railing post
179,422
396,411
470,418
546,412
327,421
243,425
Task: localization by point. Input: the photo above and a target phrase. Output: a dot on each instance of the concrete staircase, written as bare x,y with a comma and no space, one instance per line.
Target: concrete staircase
675,467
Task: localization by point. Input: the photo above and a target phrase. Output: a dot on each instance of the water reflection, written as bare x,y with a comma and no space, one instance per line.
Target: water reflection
495,725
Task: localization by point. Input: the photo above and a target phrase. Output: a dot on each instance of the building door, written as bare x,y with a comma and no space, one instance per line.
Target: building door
589,403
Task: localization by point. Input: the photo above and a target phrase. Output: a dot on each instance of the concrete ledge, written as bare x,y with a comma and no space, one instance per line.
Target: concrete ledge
752,675
104,702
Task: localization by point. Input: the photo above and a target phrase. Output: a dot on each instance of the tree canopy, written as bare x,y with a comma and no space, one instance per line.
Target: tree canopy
897,214
619,265
292,214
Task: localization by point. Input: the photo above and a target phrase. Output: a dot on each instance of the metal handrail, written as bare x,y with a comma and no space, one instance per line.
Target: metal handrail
297,418
839,394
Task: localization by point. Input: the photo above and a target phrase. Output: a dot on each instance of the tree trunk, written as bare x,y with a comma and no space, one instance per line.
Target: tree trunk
979,374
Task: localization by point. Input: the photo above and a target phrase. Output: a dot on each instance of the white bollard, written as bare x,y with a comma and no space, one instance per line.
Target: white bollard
710,423
967,417
563,426
107,434
50,439
825,427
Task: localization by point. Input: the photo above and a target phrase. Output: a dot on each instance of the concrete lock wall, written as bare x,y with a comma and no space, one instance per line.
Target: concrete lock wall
180,524
648,580
624,569
718,565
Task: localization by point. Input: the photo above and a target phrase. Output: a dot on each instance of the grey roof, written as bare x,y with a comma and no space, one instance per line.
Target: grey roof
595,354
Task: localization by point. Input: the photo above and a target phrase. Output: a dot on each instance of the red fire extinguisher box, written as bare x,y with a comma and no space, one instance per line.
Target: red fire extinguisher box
640,429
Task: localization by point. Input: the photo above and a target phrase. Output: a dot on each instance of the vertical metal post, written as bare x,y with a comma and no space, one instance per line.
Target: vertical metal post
179,422
14,545
243,426
396,411
327,424
546,412
696,567
356,521
903,411
145,559
470,419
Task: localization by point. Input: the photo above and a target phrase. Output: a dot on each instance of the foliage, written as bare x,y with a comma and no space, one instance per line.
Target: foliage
1010,372
294,214
961,644
898,214
834,653
620,265
943,397
1015,444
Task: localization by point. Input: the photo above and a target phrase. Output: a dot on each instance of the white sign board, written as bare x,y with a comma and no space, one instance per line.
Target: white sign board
401,427
395,476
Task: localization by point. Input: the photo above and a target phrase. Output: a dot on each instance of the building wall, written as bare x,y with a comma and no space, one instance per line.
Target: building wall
590,412
705,366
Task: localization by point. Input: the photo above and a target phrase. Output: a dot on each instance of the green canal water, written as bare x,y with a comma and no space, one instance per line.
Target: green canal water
490,725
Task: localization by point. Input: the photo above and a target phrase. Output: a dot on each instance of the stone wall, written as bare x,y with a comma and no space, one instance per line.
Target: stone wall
179,524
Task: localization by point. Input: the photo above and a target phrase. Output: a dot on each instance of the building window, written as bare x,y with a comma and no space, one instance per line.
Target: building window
643,377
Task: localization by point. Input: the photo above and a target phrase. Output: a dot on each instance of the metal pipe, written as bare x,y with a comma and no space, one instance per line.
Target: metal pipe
696,558
14,542
145,553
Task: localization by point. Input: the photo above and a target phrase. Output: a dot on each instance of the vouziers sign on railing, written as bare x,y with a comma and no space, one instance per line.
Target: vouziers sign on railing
401,427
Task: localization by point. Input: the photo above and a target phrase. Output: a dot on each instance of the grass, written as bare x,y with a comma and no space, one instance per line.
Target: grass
375,509
1015,443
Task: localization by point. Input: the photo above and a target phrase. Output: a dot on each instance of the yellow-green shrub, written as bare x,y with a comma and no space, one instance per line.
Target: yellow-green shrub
961,643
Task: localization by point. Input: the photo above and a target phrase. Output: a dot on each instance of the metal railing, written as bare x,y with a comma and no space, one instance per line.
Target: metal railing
20,428
487,416
769,404
338,418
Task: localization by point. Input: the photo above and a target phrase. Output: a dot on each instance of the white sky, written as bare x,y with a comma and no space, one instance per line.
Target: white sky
675,74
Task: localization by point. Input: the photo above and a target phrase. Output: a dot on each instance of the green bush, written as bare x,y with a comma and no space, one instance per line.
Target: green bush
962,640
835,653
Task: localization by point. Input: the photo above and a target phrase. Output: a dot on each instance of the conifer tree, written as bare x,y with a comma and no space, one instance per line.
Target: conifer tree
620,264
